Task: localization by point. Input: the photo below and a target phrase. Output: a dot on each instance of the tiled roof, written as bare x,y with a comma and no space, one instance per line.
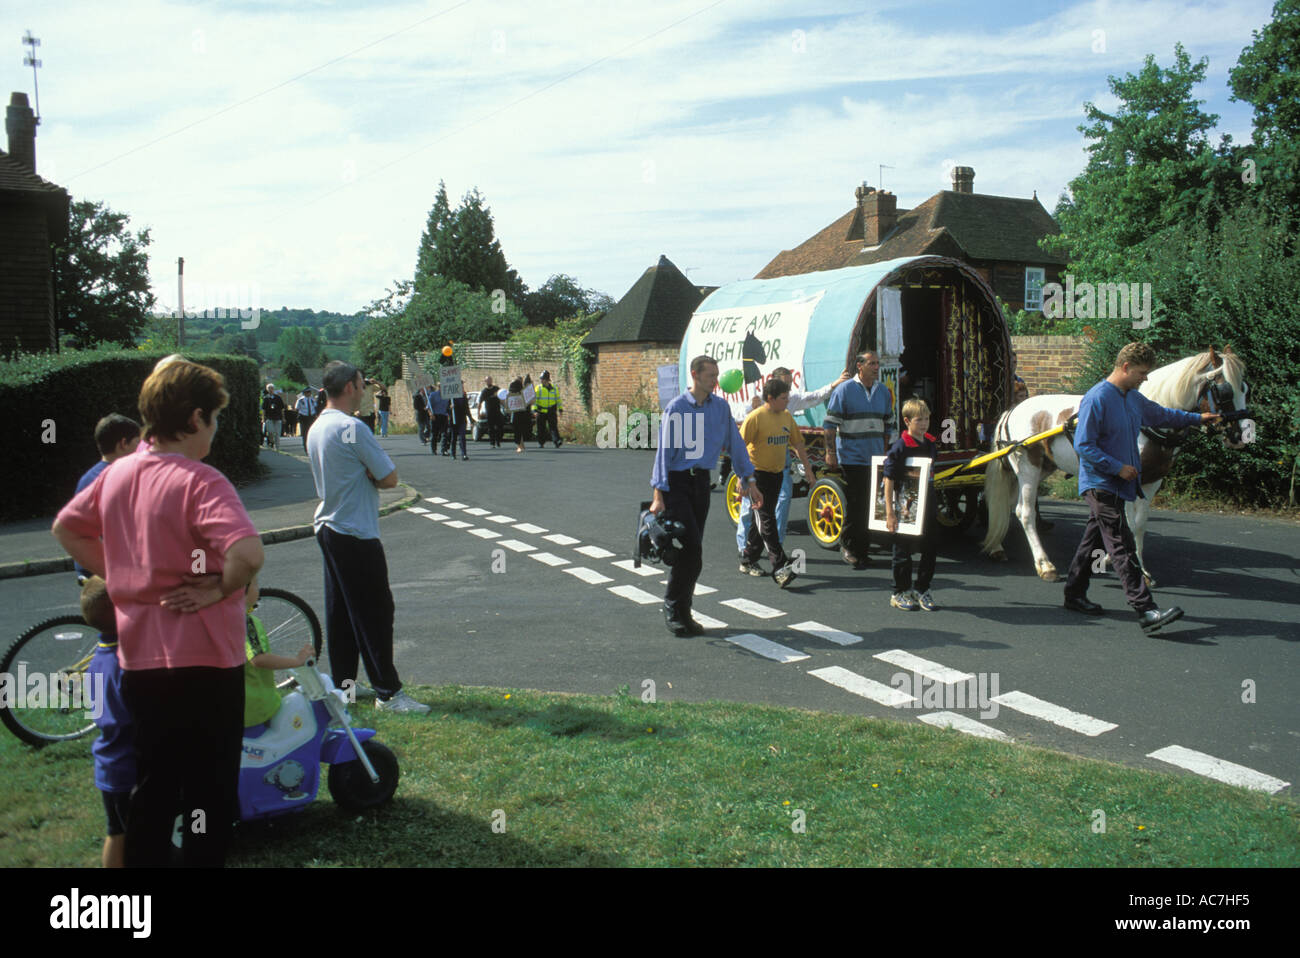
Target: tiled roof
20,186
17,178
968,226
656,309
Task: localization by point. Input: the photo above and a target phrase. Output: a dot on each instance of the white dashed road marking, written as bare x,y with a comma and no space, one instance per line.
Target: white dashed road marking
485,533
639,596
590,576
863,686
1218,769
548,558
962,723
459,524
827,633
517,546
417,510
767,648
436,500
699,589
501,519
627,565
595,552
528,527
756,609
1074,721
477,512
931,670
708,621
560,539
454,505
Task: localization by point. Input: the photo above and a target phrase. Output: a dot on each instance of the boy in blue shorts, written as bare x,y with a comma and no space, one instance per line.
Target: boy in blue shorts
115,750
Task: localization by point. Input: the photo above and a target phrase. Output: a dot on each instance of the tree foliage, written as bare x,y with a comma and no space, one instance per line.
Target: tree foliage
461,245
562,297
302,345
101,277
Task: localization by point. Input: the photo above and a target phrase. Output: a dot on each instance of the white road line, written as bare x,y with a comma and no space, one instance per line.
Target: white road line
767,648
595,552
756,609
827,633
560,539
459,524
1074,721
502,519
517,546
699,589
590,576
931,670
708,621
548,558
476,511
485,533
528,527
454,505
863,686
639,596
436,500
963,723
627,565
436,516
417,510
1218,769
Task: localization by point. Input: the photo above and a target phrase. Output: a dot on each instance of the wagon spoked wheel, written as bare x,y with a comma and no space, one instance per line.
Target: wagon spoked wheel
956,508
826,512
733,497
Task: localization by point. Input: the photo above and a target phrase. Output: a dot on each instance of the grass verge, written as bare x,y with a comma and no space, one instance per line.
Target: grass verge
611,781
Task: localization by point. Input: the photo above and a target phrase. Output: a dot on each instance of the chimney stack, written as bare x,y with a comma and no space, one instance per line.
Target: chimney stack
20,124
879,213
963,179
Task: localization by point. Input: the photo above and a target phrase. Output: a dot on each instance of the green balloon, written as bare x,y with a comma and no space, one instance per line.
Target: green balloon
732,380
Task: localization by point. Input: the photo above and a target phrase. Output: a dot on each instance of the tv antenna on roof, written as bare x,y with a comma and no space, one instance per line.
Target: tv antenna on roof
880,175
29,60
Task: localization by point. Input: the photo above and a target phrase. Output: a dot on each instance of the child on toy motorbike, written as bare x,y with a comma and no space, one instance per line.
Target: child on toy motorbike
261,697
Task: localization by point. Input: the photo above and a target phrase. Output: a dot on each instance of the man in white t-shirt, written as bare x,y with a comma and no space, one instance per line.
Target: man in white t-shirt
349,468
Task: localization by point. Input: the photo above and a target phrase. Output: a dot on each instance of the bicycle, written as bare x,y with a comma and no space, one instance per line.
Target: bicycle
58,650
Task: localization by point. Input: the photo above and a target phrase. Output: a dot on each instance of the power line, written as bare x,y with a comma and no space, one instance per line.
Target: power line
285,83
487,116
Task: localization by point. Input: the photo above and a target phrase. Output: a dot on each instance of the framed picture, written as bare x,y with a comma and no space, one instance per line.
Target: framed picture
911,496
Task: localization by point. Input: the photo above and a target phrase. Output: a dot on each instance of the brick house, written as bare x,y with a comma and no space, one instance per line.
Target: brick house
640,333
997,235
33,216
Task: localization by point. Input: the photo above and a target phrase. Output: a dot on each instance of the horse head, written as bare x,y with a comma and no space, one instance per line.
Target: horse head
1222,388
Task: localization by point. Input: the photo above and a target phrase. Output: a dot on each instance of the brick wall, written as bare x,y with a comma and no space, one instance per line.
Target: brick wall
1050,364
627,374
26,280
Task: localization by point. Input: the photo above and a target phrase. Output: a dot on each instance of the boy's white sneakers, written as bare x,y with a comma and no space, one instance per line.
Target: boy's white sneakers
904,600
401,702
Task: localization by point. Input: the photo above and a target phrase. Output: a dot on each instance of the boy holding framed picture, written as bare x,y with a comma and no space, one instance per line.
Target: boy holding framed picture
914,443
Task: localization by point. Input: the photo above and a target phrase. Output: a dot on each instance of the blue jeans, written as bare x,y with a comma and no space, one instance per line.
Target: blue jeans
782,511
383,423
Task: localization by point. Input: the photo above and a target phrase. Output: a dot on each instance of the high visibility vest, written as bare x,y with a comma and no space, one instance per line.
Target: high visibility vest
547,397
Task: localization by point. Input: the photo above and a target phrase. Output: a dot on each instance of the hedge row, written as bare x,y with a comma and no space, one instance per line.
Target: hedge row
52,402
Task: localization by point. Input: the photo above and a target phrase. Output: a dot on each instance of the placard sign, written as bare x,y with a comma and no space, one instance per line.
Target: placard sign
669,385
754,340
911,496
515,402
451,384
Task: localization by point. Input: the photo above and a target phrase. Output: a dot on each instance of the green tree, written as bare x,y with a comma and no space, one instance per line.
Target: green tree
101,277
433,256
294,371
299,344
1147,169
561,297
461,245
1267,76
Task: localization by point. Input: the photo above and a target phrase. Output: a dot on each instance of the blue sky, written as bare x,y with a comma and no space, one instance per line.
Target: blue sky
291,150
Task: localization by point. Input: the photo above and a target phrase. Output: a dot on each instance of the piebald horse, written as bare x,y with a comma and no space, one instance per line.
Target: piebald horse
1209,382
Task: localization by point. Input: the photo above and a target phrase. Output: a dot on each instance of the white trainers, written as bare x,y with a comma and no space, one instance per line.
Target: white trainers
925,601
904,601
401,702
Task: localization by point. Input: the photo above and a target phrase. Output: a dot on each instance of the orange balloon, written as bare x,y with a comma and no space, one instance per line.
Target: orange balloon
446,350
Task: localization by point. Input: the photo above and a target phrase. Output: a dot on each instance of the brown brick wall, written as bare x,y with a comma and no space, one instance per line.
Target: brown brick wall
627,374
1050,364
26,280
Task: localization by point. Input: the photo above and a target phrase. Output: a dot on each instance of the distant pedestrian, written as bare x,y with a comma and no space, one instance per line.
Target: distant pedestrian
490,402
306,408
384,402
421,403
440,433
517,406
272,416
459,424
548,412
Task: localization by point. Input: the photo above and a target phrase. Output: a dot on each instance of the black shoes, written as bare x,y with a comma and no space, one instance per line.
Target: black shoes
784,575
856,562
464,458
1153,620
1083,605
681,624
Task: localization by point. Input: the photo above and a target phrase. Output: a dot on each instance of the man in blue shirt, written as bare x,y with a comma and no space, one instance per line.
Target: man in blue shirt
695,428
1111,416
857,427
349,468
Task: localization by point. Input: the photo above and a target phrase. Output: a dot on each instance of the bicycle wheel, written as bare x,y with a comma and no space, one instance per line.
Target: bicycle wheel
289,622
45,670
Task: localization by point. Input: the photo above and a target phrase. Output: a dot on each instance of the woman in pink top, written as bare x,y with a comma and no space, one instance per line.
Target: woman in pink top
176,548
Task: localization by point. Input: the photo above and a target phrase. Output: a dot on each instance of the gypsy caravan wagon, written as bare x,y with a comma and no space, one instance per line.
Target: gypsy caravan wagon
940,335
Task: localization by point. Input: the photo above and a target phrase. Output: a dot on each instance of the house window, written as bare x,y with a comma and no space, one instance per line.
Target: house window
1034,279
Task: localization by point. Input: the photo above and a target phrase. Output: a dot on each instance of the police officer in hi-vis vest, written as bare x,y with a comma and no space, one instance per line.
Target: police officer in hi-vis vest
548,412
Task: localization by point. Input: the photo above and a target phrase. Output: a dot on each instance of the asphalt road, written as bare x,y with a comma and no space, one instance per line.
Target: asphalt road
536,624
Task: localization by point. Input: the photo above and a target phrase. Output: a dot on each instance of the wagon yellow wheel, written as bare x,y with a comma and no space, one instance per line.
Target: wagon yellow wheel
826,512
956,508
733,497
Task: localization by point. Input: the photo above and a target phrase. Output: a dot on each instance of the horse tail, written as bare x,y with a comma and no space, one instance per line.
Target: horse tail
1000,494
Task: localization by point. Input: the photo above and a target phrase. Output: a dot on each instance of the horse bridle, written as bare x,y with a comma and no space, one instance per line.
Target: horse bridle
1221,398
